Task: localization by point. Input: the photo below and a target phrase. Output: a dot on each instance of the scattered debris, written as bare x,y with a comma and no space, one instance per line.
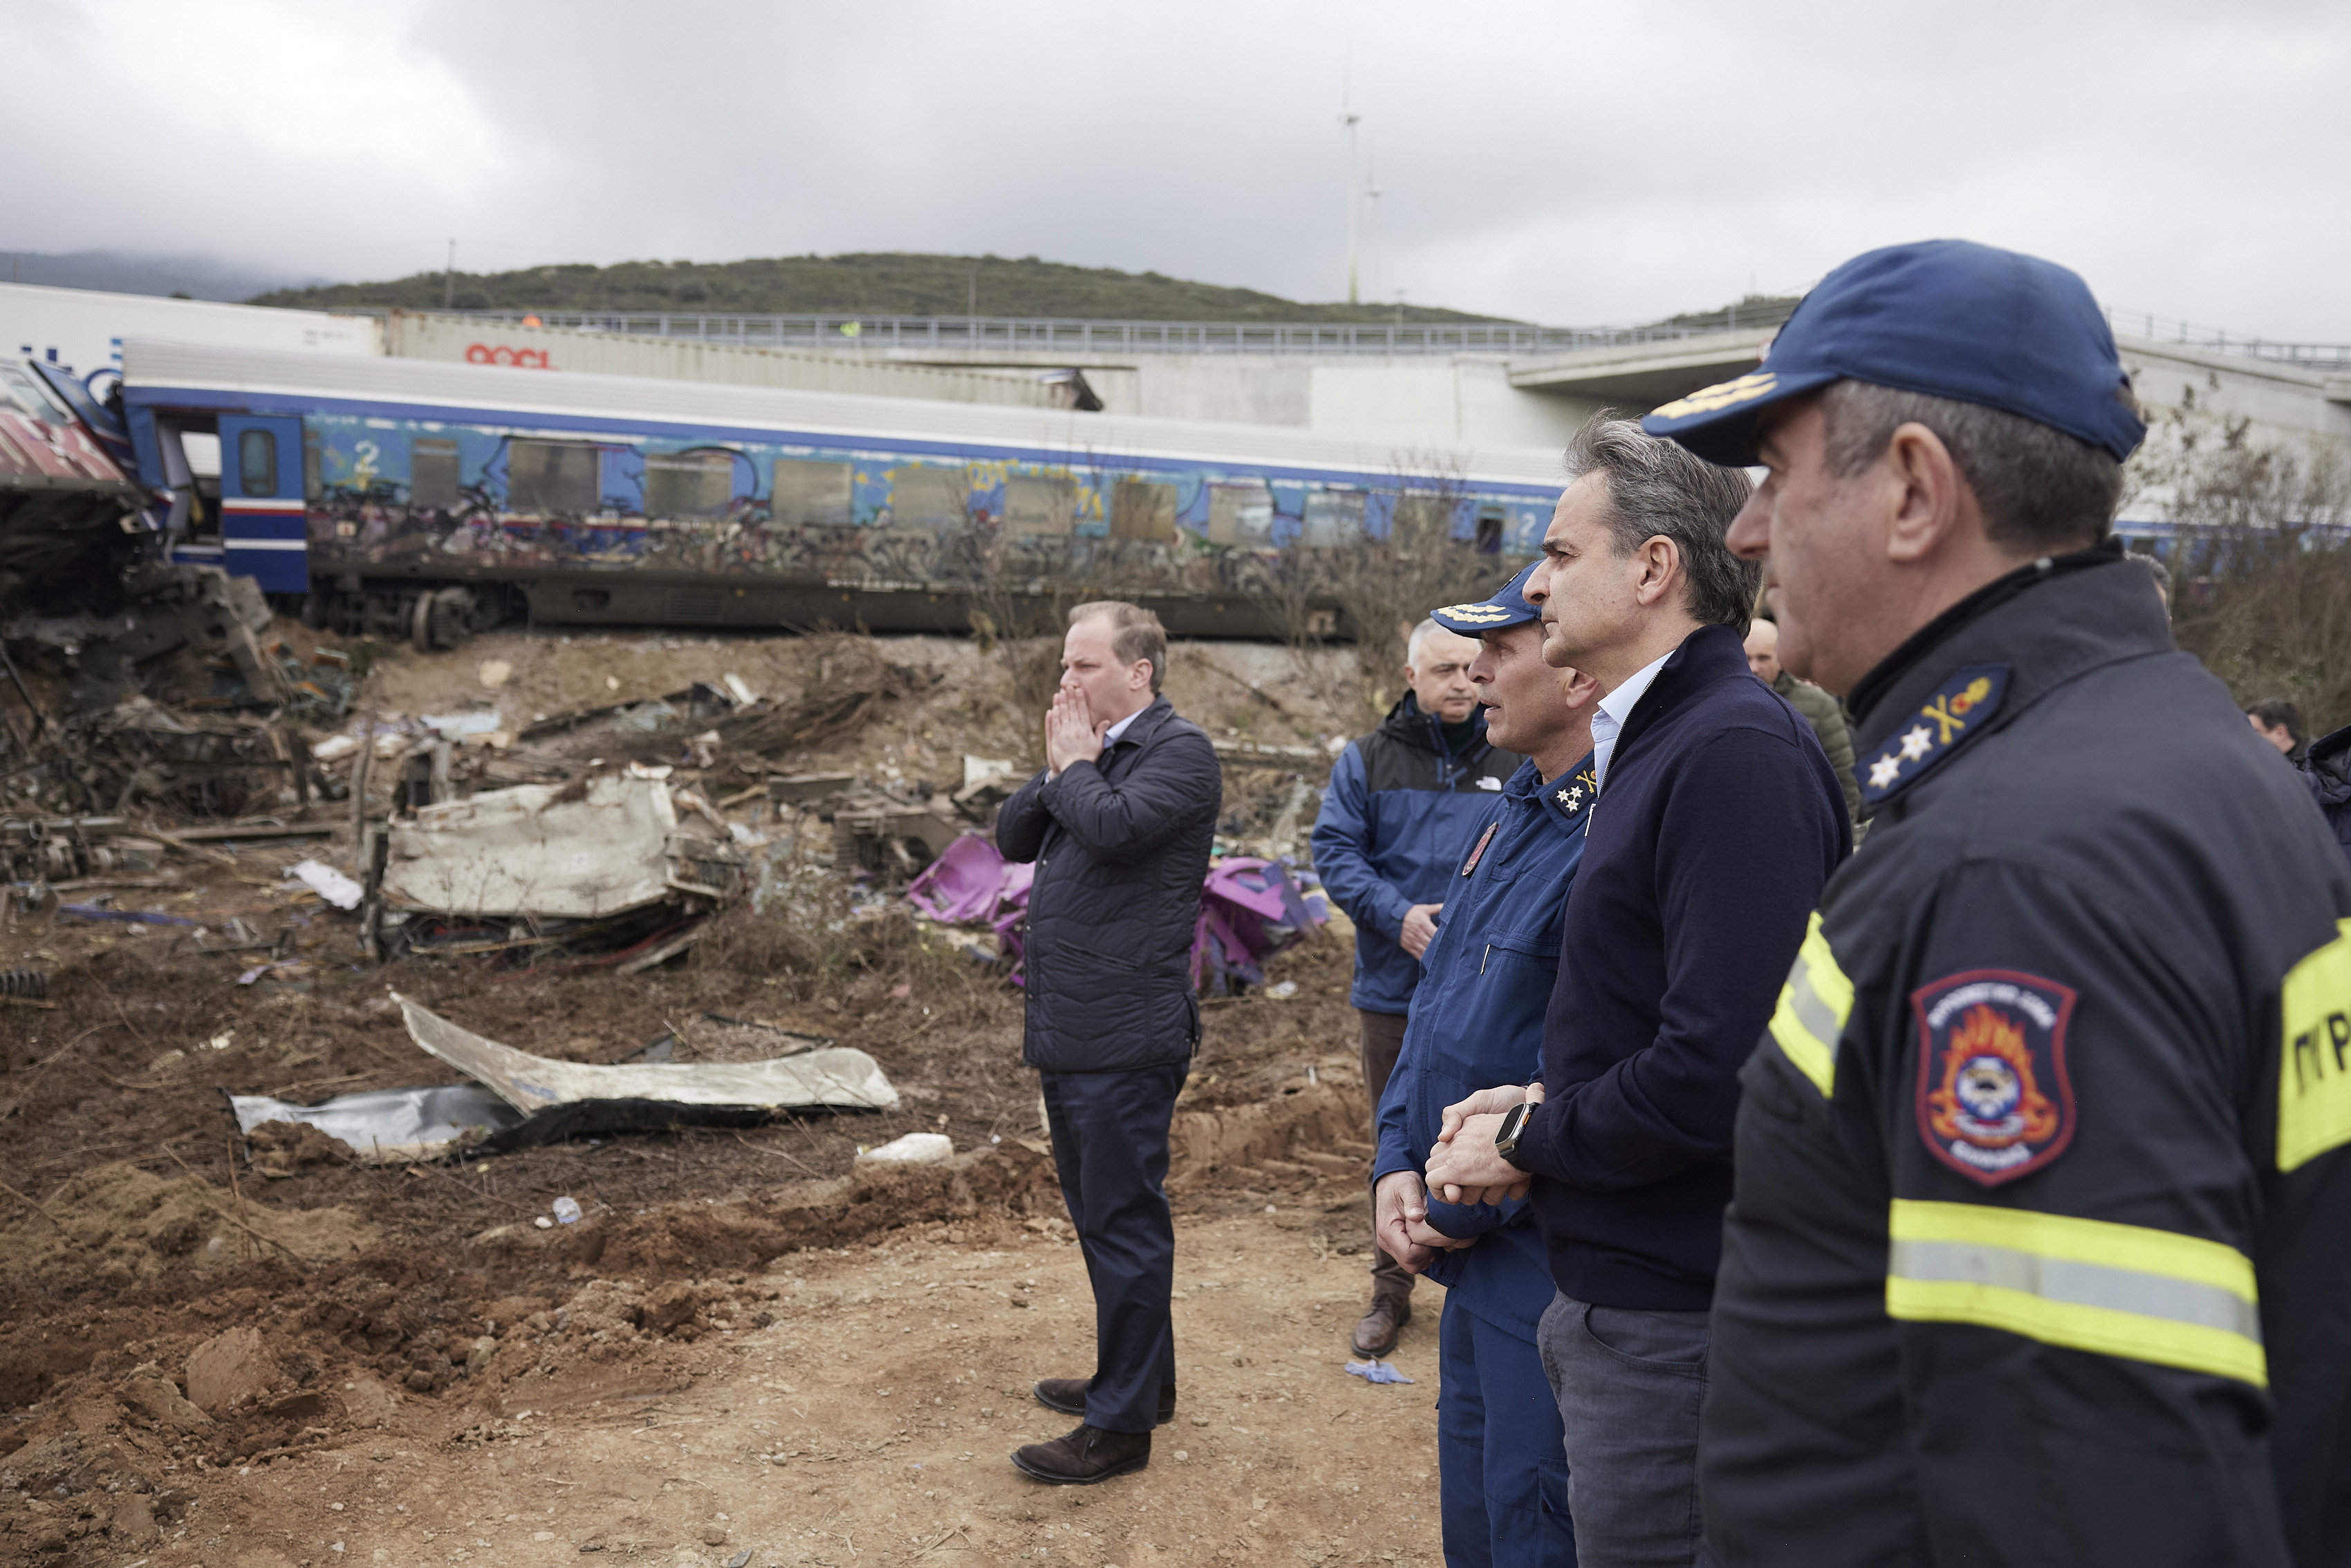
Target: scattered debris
611,844
913,1149
1376,1371
1249,910
383,1126
329,883
565,1099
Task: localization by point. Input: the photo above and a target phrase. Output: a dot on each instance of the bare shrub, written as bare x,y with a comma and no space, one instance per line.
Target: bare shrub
1377,586
2262,563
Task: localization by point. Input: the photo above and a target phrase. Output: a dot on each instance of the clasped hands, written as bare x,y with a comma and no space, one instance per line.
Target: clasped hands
1463,1165
1071,734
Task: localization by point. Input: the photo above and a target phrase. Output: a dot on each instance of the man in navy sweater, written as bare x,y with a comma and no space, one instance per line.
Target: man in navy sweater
1717,822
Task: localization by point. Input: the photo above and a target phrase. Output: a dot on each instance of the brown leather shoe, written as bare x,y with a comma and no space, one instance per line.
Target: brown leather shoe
1376,1334
1068,1394
1084,1457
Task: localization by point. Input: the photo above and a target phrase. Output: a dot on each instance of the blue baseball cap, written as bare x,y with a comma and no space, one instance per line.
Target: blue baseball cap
1506,607
1945,318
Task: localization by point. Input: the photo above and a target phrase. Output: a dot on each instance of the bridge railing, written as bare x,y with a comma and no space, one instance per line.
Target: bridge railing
1057,335
2171,329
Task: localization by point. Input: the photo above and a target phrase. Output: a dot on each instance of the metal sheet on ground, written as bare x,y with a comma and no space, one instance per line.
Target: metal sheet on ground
390,1127
646,1093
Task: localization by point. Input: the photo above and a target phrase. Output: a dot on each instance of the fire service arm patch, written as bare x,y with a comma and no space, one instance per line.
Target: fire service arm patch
1995,1102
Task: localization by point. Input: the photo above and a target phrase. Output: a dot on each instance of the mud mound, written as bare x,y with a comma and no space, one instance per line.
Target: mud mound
1314,1116
117,1226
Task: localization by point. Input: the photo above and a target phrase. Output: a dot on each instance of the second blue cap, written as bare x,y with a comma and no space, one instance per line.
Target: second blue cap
1946,317
1507,606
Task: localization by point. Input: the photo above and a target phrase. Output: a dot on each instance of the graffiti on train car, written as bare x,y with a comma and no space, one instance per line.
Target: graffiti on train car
446,498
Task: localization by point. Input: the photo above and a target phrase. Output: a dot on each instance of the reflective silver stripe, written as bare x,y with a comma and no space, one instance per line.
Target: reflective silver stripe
1811,1011
2074,1283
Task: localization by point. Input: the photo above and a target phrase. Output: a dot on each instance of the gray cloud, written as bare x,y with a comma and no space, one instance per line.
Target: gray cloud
1562,162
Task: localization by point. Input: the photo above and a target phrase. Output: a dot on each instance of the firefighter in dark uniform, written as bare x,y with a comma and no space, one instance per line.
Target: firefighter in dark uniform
2039,1250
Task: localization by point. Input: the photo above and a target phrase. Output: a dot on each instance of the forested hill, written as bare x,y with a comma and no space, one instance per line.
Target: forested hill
887,284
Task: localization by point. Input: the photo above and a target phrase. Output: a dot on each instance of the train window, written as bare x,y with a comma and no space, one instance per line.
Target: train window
256,463
30,395
812,494
1039,506
929,497
1140,510
1333,517
550,476
1241,515
1490,531
433,471
689,484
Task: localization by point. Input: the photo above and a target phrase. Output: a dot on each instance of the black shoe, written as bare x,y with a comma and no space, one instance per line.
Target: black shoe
1084,1457
1068,1394
1376,1334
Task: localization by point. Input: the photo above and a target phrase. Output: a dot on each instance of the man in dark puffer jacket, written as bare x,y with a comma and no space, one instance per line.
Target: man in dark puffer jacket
1119,826
2327,768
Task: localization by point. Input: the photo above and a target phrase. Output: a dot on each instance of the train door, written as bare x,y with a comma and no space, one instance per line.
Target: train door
262,511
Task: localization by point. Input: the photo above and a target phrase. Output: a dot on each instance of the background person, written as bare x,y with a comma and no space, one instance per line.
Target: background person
1119,825
2044,1164
1477,1019
1821,711
1402,806
1717,822
2279,722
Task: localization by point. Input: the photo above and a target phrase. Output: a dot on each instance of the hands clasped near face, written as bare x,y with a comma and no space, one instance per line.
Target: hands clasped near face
1071,732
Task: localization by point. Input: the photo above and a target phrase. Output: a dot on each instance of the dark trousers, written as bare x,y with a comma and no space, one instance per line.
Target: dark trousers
1109,1147
1381,1043
1630,1384
1501,1471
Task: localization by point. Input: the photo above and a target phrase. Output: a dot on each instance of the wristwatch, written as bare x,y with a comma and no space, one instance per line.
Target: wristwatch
1506,1136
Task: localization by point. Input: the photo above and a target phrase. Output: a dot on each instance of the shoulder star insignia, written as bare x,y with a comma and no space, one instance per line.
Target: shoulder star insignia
1953,712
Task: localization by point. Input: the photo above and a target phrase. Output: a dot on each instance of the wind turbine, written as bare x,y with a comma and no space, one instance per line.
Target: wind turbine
1349,119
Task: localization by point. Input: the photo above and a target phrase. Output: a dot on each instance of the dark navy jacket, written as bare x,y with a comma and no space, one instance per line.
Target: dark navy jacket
1477,1020
1121,848
2327,768
1718,824
1399,814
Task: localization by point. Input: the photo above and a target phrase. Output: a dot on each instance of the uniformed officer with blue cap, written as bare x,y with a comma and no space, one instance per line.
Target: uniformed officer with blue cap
2044,1166
1477,1019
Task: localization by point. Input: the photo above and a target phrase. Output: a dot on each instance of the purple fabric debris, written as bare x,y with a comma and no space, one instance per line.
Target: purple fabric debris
970,881
1376,1371
1249,909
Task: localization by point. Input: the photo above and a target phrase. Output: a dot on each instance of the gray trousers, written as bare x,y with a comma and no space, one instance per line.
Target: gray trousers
1381,1043
1629,1384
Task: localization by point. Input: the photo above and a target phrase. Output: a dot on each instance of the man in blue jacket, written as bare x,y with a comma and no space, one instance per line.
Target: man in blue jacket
1718,823
1477,1019
1119,825
1403,804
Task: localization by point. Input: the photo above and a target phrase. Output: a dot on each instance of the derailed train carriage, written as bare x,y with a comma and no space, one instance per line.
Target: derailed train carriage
428,500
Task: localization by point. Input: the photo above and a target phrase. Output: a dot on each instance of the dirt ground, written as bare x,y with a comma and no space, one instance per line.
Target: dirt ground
746,1345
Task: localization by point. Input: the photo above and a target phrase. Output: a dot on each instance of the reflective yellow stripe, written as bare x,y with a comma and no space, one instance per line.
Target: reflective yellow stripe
1813,1005
2315,1078
2084,1284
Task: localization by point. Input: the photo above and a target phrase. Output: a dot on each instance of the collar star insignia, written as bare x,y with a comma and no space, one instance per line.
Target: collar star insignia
1952,712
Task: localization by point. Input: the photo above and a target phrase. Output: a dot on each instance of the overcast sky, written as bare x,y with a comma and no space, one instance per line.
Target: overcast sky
1567,163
